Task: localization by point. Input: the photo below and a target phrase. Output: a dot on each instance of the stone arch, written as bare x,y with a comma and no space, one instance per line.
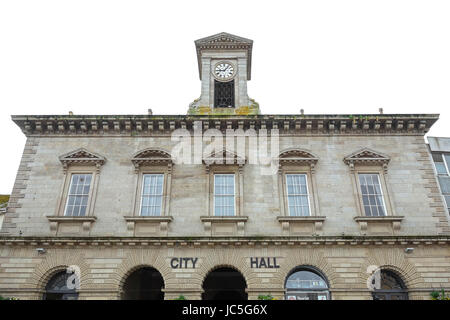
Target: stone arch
54,262
224,282
308,258
132,270
138,259
394,261
223,266
297,153
397,272
152,153
226,258
308,268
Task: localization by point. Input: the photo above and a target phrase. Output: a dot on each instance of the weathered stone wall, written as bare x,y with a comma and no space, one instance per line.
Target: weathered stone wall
24,272
414,192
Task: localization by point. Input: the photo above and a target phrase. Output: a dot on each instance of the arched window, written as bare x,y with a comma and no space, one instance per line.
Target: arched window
307,284
391,287
57,287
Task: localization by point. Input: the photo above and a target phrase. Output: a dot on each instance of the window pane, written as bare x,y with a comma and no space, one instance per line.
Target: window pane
447,200
444,183
297,194
440,168
224,197
152,192
447,159
77,197
372,195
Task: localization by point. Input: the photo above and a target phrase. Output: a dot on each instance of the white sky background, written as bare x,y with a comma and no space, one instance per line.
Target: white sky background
123,57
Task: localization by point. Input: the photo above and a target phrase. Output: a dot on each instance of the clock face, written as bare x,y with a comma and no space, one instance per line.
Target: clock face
224,70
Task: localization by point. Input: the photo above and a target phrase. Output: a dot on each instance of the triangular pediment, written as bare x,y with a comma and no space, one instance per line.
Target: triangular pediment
223,157
366,155
223,38
81,154
222,42
81,157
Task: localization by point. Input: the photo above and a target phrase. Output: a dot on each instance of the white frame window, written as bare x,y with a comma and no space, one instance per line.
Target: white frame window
297,194
152,193
224,194
77,201
372,194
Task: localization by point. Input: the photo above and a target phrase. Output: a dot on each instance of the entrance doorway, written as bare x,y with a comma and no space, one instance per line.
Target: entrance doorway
224,284
57,287
391,287
144,284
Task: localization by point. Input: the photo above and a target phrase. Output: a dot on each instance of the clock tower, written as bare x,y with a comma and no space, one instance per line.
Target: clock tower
224,64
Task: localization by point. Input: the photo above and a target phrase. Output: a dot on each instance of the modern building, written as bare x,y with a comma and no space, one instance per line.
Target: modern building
440,151
159,206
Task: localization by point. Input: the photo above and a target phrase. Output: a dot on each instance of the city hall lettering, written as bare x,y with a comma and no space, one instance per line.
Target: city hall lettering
183,263
269,263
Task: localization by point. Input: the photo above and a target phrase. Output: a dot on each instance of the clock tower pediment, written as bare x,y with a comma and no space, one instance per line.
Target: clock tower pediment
224,64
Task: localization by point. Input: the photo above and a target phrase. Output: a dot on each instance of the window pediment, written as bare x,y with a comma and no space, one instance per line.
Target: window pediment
81,157
151,157
297,156
367,156
223,157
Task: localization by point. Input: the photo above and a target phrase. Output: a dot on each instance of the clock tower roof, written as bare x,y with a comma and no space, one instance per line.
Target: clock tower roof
223,42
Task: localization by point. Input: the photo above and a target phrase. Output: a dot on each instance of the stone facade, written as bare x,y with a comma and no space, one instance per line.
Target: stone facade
112,239
108,250
105,266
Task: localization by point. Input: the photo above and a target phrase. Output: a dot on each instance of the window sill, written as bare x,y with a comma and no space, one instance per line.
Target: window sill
379,225
71,225
148,225
224,225
301,225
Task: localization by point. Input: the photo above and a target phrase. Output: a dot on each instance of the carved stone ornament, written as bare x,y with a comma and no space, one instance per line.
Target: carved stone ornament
152,157
296,156
223,157
81,157
366,157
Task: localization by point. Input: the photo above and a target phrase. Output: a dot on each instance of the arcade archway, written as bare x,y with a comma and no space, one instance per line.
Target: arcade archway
224,284
145,283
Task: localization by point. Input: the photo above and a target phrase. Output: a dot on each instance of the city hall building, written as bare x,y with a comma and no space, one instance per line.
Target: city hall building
104,206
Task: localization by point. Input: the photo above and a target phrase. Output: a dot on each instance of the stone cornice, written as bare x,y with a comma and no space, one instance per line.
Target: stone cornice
164,125
224,241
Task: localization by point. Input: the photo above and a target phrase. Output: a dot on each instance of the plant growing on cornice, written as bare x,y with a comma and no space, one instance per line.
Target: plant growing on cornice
181,297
